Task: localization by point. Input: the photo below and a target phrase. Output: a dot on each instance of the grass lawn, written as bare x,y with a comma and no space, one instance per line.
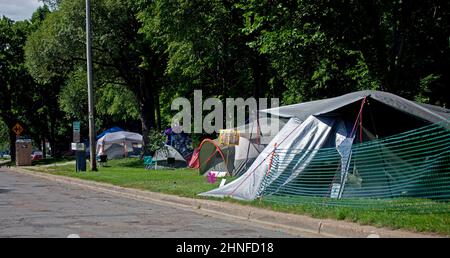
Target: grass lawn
131,173
188,183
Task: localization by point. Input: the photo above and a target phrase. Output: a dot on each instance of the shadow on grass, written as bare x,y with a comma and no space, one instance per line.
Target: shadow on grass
48,161
128,163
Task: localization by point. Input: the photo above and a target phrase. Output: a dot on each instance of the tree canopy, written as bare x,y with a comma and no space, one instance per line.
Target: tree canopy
148,52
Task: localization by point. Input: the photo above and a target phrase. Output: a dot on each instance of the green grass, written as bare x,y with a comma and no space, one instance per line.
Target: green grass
408,220
188,183
48,161
131,173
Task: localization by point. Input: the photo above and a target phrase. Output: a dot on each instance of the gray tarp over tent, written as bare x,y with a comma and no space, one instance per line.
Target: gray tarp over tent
433,114
328,123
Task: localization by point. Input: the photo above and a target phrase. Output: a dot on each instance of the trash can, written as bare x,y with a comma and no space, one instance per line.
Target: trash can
80,161
24,149
80,155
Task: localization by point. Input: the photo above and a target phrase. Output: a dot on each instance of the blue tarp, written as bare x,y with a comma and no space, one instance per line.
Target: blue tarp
110,130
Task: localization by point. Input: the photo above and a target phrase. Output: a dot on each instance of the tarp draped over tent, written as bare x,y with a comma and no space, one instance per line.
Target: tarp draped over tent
118,144
309,136
430,113
329,123
110,130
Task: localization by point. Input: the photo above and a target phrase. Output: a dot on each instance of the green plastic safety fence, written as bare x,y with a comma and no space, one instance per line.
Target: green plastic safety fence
408,171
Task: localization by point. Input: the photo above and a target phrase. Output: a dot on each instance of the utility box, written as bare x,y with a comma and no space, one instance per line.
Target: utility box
24,149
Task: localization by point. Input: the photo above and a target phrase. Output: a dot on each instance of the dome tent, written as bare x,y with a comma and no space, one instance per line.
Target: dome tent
119,144
110,130
168,156
234,159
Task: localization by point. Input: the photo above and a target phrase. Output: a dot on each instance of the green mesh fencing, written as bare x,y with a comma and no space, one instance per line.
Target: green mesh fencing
408,171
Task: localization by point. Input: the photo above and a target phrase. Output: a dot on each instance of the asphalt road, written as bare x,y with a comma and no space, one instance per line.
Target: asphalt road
35,207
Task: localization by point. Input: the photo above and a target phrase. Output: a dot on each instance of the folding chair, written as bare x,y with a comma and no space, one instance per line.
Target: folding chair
148,162
102,159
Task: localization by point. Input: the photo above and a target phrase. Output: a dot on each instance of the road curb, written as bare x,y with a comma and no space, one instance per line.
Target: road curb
296,225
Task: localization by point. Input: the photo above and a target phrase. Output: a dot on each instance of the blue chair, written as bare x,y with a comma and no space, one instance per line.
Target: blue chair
148,162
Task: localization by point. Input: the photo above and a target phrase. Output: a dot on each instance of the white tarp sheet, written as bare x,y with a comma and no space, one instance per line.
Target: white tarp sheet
296,135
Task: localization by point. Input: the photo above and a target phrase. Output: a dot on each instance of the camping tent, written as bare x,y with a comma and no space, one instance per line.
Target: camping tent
110,130
180,141
234,159
168,156
262,130
119,144
336,124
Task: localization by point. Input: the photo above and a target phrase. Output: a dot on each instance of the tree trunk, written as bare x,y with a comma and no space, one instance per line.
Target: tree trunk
44,152
52,141
12,145
146,110
157,110
259,69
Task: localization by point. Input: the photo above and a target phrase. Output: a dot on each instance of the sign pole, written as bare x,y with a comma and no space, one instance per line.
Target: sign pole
92,135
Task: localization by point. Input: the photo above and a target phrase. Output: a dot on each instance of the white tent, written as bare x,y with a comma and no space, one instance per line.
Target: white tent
118,144
265,127
167,154
245,154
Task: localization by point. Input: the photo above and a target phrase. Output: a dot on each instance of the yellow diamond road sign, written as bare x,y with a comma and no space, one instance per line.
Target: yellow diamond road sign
17,129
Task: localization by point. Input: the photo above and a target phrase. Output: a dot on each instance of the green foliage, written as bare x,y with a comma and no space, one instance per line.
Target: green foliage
116,102
425,88
112,100
210,54
156,50
156,139
4,136
73,96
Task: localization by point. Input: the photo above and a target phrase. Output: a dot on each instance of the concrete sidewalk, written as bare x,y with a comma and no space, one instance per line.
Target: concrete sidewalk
289,223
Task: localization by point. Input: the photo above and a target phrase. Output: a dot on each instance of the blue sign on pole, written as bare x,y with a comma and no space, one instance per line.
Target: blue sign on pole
76,131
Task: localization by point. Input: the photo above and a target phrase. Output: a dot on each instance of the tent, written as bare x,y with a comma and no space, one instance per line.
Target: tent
168,156
262,130
321,135
254,136
180,141
233,159
119,144
110,130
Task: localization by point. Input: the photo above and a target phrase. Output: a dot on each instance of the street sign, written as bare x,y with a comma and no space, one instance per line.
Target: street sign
76,146
17,129
76,131
76,126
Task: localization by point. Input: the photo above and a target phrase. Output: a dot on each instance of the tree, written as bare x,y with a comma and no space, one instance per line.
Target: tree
326,48
15,82
121,55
